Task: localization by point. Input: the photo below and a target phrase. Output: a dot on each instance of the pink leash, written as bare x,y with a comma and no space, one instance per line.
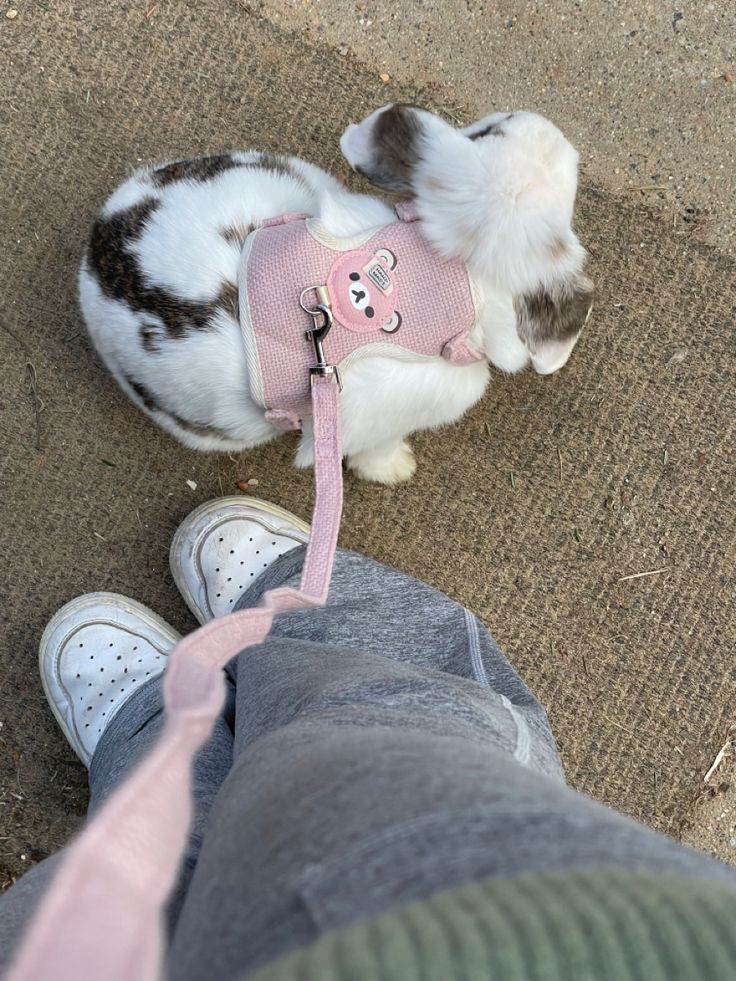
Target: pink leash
102,916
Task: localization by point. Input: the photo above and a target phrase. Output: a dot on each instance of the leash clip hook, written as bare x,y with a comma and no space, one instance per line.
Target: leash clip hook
322,323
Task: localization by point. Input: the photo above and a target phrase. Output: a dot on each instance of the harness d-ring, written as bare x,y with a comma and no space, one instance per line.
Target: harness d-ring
323,299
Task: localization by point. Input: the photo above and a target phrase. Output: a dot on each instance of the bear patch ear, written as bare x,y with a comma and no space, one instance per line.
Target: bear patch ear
388,257
394,323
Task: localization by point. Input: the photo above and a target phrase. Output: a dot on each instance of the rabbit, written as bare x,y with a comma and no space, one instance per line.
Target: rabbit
158,291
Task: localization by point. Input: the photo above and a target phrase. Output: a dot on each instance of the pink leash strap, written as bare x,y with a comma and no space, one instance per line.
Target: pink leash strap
102,916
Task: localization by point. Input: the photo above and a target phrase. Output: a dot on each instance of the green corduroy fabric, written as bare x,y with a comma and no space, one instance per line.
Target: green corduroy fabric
563,926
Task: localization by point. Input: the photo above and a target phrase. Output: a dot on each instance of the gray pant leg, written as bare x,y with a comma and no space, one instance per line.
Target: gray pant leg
18,904
379,610
125,740
364,778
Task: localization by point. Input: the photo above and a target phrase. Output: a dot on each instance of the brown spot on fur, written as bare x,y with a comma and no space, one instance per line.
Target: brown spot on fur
151,403
146,396
111,259
202,169
199,169
396,139
197,428
555,314
275,163
494,129
236,234
150,335
228,299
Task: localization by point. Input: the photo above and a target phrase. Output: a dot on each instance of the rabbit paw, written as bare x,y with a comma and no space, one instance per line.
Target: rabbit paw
384,467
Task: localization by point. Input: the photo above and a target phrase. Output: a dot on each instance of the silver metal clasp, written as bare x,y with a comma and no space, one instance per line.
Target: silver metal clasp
322,322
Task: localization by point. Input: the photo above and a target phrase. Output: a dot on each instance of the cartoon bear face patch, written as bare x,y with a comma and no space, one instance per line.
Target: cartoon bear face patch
363,291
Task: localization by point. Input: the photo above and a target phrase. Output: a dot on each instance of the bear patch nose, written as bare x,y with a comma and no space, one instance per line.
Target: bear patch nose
358,293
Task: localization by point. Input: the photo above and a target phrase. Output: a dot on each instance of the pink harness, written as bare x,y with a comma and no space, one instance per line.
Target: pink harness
102,916
379,292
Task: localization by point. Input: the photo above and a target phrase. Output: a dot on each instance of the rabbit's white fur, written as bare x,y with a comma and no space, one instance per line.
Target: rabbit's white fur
158,295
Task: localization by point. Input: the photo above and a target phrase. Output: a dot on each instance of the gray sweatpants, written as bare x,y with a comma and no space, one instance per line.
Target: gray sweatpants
370,753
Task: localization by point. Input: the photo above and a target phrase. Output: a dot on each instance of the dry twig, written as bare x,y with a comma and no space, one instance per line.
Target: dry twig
728,745
640,575
618,725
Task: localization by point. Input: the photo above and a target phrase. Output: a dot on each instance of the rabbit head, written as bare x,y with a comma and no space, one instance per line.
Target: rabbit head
497,195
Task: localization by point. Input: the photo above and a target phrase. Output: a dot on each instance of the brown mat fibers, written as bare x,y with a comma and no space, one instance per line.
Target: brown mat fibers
619,463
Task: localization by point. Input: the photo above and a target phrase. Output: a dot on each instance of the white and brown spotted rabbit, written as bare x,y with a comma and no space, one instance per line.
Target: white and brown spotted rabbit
158,283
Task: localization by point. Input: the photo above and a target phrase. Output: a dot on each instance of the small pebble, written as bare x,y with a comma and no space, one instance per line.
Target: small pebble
11,15
192,484
385,77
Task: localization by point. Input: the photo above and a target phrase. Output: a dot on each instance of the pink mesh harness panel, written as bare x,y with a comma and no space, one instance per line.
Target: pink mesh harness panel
388,292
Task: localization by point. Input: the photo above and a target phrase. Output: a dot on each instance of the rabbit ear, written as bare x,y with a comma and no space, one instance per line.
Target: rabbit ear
385,147
549,321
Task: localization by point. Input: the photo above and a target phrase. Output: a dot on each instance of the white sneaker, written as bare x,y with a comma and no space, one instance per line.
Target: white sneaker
94,654
224,545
